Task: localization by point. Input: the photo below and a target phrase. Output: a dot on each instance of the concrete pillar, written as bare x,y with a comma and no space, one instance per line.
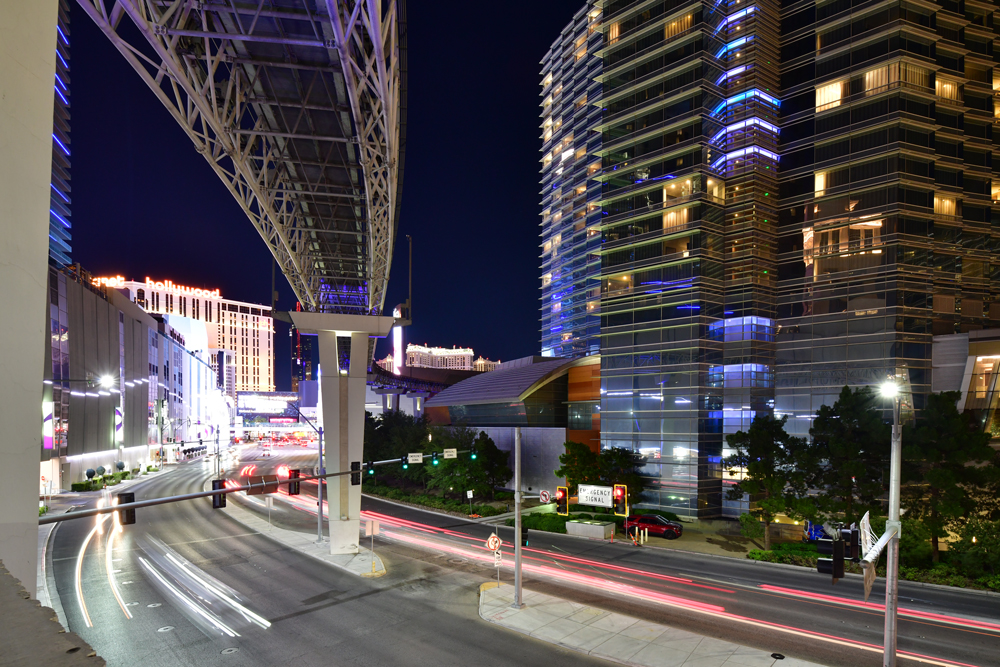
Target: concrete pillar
343,413
418,398
27,76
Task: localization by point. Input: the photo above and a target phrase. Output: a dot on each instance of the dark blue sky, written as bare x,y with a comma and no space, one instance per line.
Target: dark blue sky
145,203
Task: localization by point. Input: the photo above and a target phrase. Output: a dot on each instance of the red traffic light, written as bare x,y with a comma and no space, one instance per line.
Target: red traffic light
619,491
559,494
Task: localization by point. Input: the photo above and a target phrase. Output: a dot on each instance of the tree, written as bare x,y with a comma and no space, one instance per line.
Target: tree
943,453
482,475
622,466
580,465
763,459
847,460
394,434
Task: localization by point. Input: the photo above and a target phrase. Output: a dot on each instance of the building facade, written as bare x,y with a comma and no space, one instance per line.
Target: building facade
456,358
794,197
119,385
244,329
571,217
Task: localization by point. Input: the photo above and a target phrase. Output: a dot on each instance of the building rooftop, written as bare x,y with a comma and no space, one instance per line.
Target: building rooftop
512,381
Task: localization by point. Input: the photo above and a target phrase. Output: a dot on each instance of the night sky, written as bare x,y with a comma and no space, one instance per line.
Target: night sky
145,203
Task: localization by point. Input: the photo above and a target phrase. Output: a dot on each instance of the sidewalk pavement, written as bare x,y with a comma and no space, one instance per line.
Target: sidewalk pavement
615,637
305,543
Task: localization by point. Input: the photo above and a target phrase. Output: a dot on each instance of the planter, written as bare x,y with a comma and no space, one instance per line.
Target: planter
598,530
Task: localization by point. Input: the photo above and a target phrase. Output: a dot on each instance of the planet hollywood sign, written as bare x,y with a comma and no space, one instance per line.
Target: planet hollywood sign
164,286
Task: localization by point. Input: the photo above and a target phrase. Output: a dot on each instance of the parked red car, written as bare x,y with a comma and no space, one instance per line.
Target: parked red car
655,524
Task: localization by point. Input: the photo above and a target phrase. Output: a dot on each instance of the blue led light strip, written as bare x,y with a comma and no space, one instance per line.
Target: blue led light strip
753,92
732,45
731,73
744,151
743,124
733,17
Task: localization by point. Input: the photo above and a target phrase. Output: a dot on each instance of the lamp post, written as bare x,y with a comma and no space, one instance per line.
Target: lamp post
319,482
890,390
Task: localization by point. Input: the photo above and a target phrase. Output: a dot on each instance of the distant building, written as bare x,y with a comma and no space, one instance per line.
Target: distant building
385,364
59,195
483,365
244,329
456,358
305,357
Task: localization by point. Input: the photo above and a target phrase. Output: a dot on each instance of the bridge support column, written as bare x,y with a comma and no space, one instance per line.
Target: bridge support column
343,412
418,398
27,71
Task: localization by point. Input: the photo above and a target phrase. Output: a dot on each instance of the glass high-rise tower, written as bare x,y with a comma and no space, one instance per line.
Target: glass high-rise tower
59,197
571,237
794,197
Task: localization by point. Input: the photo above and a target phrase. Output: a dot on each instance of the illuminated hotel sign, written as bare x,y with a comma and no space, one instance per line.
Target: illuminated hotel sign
164,285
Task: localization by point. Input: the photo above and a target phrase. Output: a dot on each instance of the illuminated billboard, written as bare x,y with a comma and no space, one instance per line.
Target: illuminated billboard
267,407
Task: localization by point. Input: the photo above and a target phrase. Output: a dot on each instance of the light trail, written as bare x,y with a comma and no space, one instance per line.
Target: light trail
79,570
605,585
116,529
875,606
211,618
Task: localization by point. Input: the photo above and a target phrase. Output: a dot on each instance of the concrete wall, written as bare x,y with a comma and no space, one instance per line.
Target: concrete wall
540,452
27,77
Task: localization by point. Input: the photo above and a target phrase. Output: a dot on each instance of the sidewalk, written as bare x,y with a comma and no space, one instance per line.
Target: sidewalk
359,564
615,637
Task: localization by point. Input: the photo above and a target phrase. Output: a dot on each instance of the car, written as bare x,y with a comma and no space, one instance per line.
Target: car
655,525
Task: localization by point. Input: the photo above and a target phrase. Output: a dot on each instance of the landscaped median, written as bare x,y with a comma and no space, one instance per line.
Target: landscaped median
805,555
556,523
435,502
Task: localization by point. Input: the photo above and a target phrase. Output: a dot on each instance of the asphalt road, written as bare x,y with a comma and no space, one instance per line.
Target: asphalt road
423,613
429,597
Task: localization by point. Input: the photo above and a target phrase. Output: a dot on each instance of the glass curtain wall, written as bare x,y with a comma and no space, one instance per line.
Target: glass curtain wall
689,203
570,237
888,234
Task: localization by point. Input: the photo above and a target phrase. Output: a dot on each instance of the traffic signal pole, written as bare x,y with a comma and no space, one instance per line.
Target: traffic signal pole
892,557
517,518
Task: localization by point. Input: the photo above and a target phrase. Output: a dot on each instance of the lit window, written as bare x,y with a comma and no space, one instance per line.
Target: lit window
829,96
675,218
878,79
677,27
612,33
546,279
557,306
945,205
947,89
819,189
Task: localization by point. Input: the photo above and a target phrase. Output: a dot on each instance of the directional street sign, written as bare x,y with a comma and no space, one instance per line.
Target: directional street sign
493,542
497,559
468,494
544,496
451,453
415,458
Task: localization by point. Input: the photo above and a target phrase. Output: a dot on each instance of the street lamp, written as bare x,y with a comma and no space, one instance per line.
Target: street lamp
890,390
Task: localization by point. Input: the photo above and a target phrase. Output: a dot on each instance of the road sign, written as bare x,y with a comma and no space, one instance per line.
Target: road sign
468,494
595,495
493,542
415,458
544,496
262,484
451,453
371,528
497,559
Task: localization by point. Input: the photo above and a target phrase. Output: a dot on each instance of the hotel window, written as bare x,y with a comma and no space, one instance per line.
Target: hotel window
945,205
947,89
716,188
917,76
877,80
995,191
546,279
677,27
675,218
819,187
612,33
829,95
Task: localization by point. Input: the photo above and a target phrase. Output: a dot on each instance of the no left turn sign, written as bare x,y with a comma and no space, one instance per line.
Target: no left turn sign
493,542
544,496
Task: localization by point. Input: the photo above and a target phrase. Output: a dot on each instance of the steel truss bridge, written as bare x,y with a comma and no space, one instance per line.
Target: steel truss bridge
299,107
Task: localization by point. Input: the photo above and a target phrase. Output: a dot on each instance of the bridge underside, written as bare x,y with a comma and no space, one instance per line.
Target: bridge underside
297,106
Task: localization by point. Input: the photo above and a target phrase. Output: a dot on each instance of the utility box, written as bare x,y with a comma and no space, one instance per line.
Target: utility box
597,530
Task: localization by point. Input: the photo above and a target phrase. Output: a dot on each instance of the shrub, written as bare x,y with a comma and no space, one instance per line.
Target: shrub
111,481
101,470
750,527
552,523
504,495
803,559
42,510
583,516
150,468
794,547
135,472
979,558
81,486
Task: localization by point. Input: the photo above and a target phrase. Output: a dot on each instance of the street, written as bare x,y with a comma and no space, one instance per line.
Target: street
428,599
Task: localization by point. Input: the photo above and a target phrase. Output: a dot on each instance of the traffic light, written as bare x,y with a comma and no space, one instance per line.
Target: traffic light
562,500
218,500
852,543
473,454
355,473
524,535
371,467
834,566
621,500
434,458
126,516
293,482
403,460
